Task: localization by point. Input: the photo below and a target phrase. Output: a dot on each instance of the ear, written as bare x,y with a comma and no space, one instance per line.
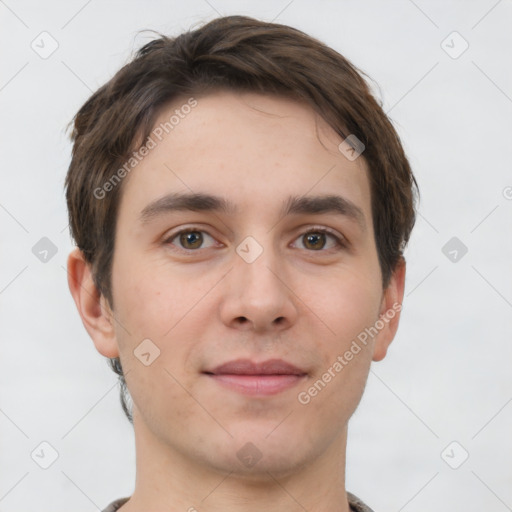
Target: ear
390,309
97,317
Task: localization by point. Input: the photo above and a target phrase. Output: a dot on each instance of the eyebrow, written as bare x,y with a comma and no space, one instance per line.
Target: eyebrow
294,205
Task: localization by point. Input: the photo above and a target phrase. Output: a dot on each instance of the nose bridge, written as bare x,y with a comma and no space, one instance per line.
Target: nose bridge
256,291
256,267
257,273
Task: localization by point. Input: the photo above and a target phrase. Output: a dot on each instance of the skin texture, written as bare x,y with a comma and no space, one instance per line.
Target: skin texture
205,306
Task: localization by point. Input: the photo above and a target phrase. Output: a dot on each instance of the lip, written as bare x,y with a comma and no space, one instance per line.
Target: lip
248,367
265,378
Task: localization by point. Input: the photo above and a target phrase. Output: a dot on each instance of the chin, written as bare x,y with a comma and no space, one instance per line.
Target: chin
254,456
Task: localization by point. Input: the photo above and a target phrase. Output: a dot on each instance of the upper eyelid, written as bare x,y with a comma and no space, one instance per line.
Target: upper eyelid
340,238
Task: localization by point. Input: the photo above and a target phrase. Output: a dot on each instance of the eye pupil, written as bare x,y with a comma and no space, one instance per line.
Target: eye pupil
193,238
313,239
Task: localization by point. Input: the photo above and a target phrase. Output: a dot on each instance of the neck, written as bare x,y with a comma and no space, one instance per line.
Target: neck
171,480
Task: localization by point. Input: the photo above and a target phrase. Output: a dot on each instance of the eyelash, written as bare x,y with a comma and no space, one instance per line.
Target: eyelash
341,242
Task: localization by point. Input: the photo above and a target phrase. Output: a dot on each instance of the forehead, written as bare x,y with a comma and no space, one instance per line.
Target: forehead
257,150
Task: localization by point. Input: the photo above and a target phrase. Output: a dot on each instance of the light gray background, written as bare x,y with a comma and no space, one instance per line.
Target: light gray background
447,375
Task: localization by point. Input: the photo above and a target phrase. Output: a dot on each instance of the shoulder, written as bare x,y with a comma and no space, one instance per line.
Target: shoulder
116,504
357,505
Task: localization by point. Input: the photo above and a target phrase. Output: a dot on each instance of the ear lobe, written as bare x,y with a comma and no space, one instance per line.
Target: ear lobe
391,307
93,308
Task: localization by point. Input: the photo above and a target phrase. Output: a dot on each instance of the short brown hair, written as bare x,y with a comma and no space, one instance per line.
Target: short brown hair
241,54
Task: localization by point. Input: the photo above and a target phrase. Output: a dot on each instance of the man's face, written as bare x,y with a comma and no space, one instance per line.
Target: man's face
211,296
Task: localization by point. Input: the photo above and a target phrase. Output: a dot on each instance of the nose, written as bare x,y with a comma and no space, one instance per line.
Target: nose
258,295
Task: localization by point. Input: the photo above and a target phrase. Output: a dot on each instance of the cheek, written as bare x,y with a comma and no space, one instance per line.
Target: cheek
147,299
346,309
345,304
152,308
156,303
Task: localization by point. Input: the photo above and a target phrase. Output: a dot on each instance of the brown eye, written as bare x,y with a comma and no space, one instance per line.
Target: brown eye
314,241
191,239
318,239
